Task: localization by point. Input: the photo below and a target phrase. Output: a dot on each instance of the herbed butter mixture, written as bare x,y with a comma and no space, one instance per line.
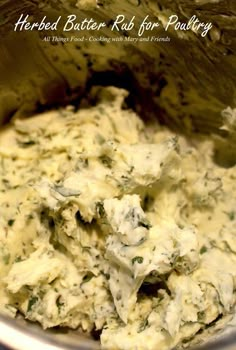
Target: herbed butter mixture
107,224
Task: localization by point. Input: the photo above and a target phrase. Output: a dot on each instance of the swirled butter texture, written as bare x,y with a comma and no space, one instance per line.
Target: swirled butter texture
112,224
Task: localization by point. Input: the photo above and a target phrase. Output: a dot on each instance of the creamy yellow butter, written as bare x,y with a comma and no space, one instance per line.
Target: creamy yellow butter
108,224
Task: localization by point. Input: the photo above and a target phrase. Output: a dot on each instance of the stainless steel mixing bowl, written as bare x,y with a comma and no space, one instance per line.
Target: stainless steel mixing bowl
186,83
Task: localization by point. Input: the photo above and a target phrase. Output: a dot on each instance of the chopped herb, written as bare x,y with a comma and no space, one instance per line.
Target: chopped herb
143,326
107,276
131,169
125,178
18,259
136,218
139,260
231,215
181,226
106,161
6,259
82,163
5,181
86,249
33,300
203,249
141,241
26,143
10,222
131,215
201,315
100,139
100,209
59,304
144,223
88,277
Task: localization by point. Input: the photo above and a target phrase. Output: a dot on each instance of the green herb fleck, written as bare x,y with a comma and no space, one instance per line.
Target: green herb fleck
59,304
106,161
85,249
100,209
131,169
132,215
18,259
82,163
203,249
201,315
88,277
33,300
139,260
107,276
100,139
231,215
143,326
10,222
26,144
144,223
6,258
